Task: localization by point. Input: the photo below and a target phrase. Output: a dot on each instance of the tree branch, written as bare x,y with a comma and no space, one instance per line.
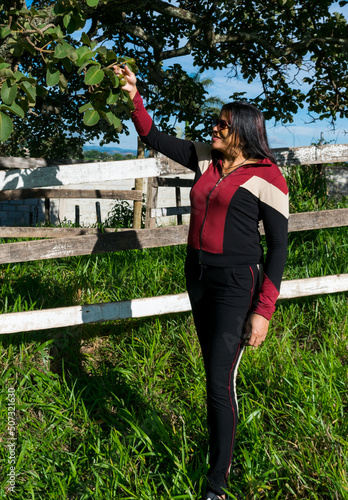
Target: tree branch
137,32
177,12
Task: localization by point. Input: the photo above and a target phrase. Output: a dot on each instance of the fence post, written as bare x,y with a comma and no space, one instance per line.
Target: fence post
138,186
47,210
77,216
98,212
151,198
178,202
151,202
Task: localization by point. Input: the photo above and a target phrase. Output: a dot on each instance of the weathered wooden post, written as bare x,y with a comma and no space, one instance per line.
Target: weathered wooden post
138,186
47,210
77,215
151,198
98,212
178,201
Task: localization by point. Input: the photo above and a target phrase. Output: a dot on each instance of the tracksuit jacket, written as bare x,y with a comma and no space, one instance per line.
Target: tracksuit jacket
225,211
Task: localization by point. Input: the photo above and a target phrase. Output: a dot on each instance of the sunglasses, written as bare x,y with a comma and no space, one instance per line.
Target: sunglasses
220,124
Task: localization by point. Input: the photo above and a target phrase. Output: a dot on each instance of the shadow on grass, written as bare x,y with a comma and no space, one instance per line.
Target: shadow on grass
96,379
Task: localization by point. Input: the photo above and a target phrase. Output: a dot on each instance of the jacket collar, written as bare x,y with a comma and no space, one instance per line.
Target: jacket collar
265,162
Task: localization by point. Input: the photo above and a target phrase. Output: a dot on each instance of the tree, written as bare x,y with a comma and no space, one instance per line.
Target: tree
57,82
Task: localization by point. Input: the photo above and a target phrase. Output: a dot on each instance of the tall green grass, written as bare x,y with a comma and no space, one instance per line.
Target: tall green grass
117,410
124,416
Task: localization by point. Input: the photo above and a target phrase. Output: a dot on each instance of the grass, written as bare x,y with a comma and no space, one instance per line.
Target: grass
117,410
125,416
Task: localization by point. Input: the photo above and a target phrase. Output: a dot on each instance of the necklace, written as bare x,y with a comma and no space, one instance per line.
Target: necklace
224,173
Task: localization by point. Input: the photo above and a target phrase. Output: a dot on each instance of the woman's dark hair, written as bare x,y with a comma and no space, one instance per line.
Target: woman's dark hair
248,125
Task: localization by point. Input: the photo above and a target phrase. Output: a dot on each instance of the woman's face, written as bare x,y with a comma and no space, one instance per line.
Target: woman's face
222,139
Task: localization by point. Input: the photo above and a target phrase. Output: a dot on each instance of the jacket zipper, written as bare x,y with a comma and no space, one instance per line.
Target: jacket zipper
205,216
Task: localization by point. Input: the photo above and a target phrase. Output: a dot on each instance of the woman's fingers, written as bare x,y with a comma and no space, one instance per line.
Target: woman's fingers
256,330
127,79
118,70
127,70
128,76
123,70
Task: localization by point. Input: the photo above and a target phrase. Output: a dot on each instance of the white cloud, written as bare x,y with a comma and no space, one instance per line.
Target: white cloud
303,135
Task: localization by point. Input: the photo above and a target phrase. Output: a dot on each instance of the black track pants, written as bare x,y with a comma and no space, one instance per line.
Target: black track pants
220,299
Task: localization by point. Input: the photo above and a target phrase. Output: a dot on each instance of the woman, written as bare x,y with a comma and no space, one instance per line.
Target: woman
231,288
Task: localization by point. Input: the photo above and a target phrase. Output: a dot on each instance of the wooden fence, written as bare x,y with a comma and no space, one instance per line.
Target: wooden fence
30,178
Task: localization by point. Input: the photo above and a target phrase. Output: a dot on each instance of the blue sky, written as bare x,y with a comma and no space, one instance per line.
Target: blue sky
302,132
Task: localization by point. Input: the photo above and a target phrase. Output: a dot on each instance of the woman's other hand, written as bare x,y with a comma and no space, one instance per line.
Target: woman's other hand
256,330
129,77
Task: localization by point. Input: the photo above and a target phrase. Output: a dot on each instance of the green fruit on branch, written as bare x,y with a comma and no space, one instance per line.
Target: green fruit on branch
122,81
131,61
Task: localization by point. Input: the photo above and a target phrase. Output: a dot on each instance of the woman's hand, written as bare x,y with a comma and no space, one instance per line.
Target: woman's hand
256,330
130,78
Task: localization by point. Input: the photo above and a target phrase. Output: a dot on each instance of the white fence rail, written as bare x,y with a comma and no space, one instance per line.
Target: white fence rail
140,308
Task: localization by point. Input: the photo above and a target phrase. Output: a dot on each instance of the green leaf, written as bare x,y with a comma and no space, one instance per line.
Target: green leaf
30,90
111,74
89,62
117,122
17,50
63,83
67,65
52,76
18,75
94,75
112,119
130,103
24,104
85,39
111,56
63,50
41,91
34,12
56,32
70,23
17,109
6,127
4,65
24,44
14,108
83,54
113,98
102,51
124,96
6,73
72,55
58,9
8,92
4,32
92,3
91,117
86,106
66,20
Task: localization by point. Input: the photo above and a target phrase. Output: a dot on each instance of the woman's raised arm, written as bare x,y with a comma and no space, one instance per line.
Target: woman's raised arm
180,150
